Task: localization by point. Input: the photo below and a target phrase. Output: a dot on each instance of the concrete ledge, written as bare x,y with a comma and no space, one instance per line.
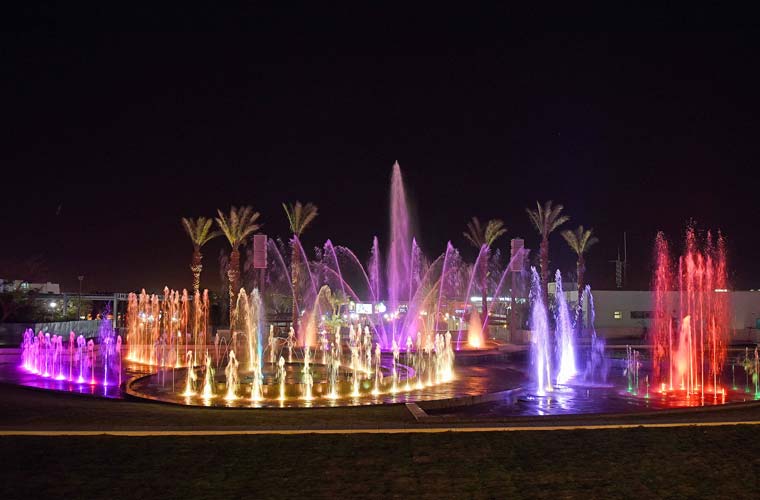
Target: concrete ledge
509,396
417,412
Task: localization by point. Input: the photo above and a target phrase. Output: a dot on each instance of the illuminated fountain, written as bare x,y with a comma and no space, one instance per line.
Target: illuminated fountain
406,291
81,362
364,371
689,335
691,322
545,354
164,329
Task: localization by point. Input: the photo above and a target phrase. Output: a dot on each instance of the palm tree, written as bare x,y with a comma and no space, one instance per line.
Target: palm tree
236,226
546,219
483,238
299,217
580,241
199,231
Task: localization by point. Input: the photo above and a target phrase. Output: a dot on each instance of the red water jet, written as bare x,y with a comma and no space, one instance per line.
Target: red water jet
691,323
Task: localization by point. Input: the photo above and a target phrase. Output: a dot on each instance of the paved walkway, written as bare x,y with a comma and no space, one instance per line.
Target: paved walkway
421,430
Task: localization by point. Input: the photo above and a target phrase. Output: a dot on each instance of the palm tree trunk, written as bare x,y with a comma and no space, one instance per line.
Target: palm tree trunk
233,274
580,268
544,249
196,268
295,258
484,286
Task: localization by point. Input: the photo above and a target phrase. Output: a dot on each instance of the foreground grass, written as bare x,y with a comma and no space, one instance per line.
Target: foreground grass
707,462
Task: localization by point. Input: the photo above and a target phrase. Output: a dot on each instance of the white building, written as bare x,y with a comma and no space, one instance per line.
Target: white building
621,313
11,285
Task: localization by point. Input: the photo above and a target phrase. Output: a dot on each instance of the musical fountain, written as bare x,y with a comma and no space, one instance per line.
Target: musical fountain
401,347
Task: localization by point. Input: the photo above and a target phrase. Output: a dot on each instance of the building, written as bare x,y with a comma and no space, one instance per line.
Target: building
12,285
628,314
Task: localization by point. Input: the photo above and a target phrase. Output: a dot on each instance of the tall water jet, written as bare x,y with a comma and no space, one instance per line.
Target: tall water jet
91,358
394,374
271,345
408,360
81,357
248,319
333,371
597,366
281,377
290,343
231,374
378,370
539,340
400,246
208,383
308,332
475,331
191,377
661,333
307,377
564,336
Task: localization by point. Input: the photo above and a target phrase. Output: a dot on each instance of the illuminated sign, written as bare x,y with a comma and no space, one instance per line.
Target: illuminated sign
259,251
363,308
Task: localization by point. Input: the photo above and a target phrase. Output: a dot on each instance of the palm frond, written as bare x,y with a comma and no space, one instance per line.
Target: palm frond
580,240
478,235
474,233
238,225
536,218
547,218
300,216
199,230
494,230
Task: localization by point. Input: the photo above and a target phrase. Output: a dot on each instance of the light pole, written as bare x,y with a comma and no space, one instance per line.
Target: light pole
79,302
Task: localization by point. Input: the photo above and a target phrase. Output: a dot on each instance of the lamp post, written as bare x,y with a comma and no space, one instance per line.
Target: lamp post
79,302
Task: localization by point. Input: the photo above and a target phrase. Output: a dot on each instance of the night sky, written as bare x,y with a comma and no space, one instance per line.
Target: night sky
119,123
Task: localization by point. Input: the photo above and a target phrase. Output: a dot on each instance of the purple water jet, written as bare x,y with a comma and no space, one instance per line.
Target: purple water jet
400,248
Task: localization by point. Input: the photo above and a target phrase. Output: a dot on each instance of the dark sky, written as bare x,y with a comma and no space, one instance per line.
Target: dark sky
128,120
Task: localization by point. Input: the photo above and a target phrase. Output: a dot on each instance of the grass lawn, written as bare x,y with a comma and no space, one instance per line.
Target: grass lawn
705,462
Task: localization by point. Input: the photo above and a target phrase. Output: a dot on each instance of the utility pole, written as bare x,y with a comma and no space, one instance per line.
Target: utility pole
79,301
621,265
625,258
